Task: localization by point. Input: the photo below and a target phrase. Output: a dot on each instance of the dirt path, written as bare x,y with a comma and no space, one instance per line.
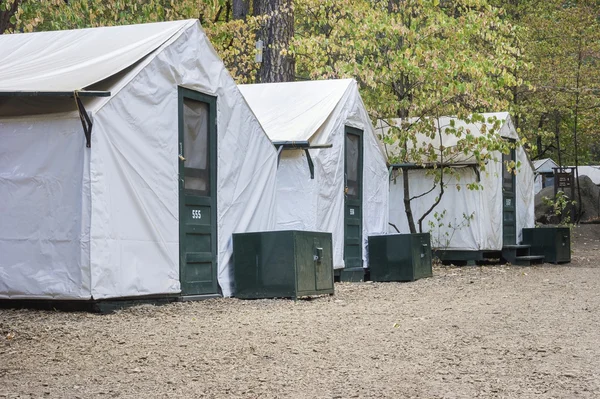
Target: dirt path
505,332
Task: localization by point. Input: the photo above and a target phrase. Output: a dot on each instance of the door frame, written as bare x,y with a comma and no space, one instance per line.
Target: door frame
360,133
211,101
513,197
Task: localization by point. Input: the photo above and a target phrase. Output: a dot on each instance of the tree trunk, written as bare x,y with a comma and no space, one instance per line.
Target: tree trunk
407,207
240,9
5,15
557,136
539,136
276,34
578,81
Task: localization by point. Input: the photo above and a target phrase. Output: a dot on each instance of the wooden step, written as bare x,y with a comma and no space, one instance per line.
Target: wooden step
511,252
352,275
528,260
516,246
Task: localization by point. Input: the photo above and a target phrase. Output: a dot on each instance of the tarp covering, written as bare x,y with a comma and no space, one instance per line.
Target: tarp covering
122,193
74,59
318,111
484,230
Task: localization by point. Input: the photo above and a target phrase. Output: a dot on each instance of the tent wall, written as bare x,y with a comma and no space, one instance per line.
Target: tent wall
44,191
134,169
318,204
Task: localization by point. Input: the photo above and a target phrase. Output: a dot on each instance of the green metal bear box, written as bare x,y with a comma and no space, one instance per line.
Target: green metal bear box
282,264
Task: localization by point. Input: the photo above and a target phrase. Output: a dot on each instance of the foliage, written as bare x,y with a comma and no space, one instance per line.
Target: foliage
420,58
561,39
416,60
559,204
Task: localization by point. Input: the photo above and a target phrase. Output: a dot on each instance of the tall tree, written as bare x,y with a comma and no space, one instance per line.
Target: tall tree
276,34
8,10
241,9
561,41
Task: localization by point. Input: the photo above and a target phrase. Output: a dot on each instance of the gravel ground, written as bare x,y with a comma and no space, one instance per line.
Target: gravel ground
490,332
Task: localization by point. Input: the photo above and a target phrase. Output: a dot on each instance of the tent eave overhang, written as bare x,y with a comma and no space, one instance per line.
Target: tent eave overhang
86,121
74,93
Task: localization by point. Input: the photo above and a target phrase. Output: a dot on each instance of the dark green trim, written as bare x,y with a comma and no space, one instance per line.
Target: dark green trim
83,93
299,145
212,144
356,201
292,145
513,196
311,165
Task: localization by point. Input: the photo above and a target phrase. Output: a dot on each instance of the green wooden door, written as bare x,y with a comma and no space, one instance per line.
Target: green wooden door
353,198
509,220
197,193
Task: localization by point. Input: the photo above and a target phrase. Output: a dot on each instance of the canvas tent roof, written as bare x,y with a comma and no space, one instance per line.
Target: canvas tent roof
449,140
294,110
65,61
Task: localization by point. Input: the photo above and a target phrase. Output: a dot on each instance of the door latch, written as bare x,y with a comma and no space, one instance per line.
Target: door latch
318,256
181,157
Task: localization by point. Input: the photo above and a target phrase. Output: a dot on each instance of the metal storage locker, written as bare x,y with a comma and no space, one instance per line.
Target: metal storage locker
552,242
287,264
400,257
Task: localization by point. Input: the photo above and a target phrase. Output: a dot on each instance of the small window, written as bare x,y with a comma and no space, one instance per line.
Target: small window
196,146
352,165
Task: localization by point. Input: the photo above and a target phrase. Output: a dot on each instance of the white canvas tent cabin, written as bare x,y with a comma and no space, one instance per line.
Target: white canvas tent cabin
332,174
135,189
544,173
501,209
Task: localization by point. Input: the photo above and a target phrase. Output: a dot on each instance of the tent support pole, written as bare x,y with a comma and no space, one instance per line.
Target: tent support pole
300,145
477,174
86,122
311,165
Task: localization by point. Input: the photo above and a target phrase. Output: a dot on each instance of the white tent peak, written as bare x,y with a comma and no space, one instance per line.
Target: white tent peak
72,60
294,111
544,165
